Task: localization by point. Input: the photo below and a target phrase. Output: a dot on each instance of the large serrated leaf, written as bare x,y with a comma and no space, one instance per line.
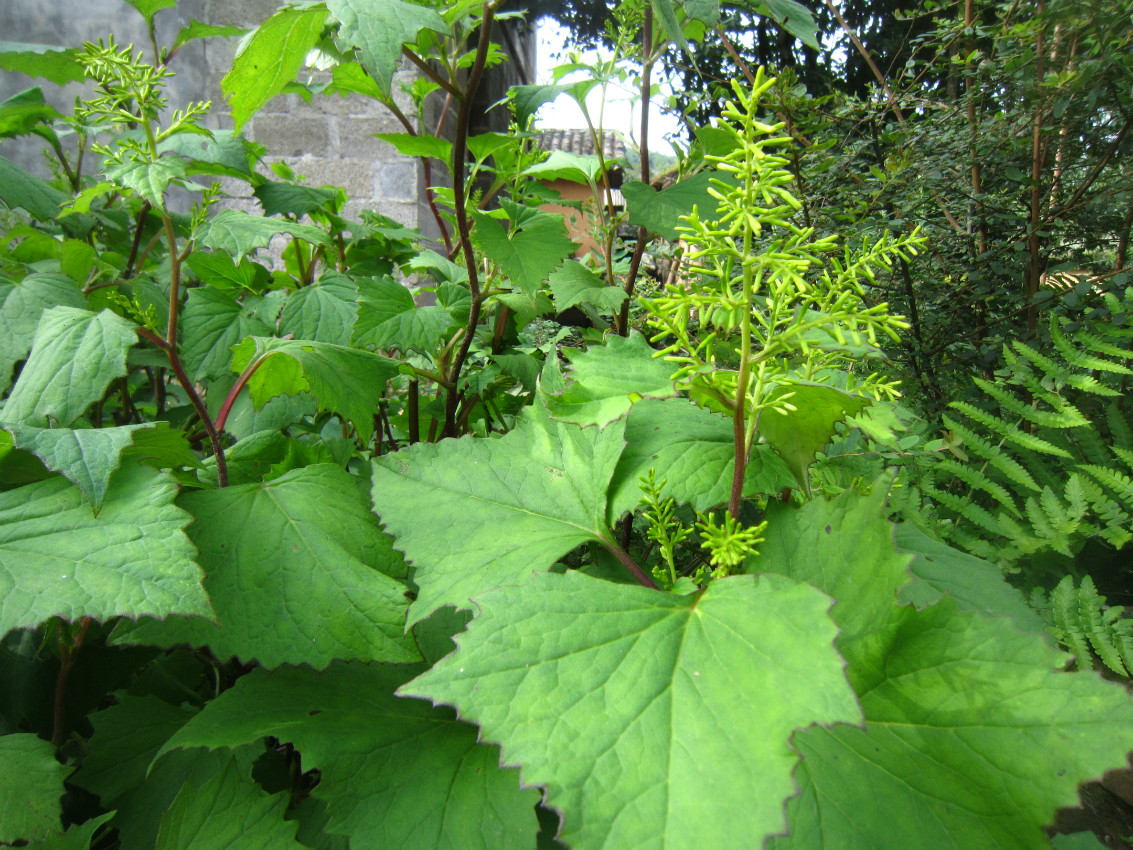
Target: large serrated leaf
59,560
21,305
347,723
693,449
74,357
298,572
844,548
544,483
648,716
379,28
529,254
227,811
575,284
31,785
972,736
239,233
60,65
270,59
212,323
324,311
87,457
21,188
149,179
388,318
345,380
607,379
799,434
973,739
661,212
122,770
792,16
976,585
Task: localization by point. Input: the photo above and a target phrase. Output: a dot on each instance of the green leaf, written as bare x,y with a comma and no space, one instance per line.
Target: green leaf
544,482
21,305
239,233
529,254
528,98
575,284
57,64
162,447
799,434
121,767
563,165
844,548
379,28
127,737
288,585
217,270
975,584
667,18
74,357
608,379
195,30
23,112
694,451
57,559
87,457
149,8
660,212
324,311
149,179
75,838
973,739
31,785
211,324
20,188
348,724
221,153
419,145
388,318
290,199
227,811
792,16
270,59
653,720
345,380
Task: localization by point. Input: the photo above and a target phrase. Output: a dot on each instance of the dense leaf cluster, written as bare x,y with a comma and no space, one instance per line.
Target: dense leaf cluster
294,555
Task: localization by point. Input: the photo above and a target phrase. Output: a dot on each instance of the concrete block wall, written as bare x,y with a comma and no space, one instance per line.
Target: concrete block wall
330,140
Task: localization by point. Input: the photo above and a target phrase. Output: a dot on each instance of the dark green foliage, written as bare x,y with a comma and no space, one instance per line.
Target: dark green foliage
256,514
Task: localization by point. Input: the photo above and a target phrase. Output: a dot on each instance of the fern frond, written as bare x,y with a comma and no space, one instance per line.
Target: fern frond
968,510
1125,455
1064,415
1119,427
1010,432
1067,617
1100,633
977,480
1120,484
992,455
1084,358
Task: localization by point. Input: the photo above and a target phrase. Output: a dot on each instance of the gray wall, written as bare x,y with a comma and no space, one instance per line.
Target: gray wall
330,141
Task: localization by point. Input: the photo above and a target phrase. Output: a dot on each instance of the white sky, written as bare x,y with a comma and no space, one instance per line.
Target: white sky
564,113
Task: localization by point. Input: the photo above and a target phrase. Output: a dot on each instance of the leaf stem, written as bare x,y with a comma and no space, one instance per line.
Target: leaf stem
629,563
459,152
68,654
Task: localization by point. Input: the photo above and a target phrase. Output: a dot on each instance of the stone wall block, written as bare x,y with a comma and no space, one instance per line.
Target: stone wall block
397,181
284,135
354,137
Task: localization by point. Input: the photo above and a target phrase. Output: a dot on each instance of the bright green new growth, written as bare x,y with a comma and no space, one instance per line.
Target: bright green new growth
767,316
